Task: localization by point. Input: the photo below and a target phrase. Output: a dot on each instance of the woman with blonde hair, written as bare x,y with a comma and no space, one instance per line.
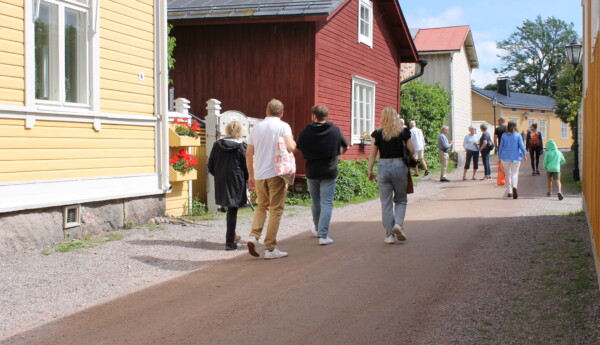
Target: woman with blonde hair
393,143
227,163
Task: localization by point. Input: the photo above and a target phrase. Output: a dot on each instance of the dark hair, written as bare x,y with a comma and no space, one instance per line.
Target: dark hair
511,126
483,127
320,111
534,125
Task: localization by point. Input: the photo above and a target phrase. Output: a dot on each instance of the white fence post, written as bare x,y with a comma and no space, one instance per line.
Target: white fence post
212,120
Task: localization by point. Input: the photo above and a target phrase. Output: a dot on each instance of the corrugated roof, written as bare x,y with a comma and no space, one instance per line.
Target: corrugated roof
519,100
212,9
441,39
447,40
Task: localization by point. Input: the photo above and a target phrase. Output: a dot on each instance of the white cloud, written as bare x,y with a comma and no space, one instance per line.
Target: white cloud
450,17
483,77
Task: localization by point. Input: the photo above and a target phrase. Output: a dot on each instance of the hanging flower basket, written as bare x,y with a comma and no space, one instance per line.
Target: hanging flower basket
182,134
179,176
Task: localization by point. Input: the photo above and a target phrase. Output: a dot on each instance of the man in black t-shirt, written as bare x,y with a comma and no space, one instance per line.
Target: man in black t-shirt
498,133
321,142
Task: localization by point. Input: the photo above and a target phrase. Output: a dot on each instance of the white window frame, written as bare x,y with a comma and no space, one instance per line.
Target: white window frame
366,39
515,120
542,127
564,131
529,123
92,100
369,84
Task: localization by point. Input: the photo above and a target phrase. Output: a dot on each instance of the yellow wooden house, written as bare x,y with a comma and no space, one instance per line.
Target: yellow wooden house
83,125
589,122
524,109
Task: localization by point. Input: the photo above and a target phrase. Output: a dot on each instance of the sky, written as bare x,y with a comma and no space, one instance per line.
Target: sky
490,22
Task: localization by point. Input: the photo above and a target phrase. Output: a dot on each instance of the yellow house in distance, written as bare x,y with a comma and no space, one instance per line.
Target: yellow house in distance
83,117
524,109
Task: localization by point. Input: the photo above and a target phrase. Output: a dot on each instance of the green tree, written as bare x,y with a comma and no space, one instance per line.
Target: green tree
493,87
535,52
428,105
170,48
568,96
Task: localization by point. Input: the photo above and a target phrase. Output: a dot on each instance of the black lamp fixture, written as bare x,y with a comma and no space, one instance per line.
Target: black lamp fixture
573,51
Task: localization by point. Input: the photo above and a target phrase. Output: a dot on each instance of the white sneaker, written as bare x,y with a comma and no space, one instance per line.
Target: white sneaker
275,254
325,241
314,231
390,239
252,243
397,229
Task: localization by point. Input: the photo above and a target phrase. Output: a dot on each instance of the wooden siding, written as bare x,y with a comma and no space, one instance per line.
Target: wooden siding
177,202
339,56
60,150
461,97
12,53
246,65
126,49
590,174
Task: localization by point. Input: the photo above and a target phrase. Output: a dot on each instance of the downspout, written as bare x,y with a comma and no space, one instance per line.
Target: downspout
423,63
452,119
163,95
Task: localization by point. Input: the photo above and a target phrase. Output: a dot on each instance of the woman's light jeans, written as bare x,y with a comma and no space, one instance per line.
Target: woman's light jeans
392,179
511,174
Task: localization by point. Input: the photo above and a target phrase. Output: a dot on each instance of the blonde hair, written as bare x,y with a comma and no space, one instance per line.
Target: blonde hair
234,129
390,123
275,107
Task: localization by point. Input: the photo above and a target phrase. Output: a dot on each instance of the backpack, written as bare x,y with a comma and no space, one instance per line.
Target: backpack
534,139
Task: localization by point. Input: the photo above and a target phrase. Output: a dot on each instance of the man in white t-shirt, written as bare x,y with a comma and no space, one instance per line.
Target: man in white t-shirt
419,141
271,189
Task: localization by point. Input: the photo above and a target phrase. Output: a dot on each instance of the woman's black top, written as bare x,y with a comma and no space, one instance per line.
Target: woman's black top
393,148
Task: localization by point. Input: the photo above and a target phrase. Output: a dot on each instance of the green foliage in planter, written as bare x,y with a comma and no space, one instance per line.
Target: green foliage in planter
428,105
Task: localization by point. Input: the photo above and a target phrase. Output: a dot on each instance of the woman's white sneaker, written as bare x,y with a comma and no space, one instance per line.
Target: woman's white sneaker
275,254
325,241
390,239
397,229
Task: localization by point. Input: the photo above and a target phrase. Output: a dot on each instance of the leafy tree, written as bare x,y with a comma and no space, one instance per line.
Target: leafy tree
568,96
428,105
493,87
170,48
536,53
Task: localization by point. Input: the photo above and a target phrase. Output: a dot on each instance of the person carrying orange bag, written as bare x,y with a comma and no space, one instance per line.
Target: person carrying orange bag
500,180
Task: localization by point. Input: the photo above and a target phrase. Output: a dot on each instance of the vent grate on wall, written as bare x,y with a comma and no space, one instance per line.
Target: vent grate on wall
72,216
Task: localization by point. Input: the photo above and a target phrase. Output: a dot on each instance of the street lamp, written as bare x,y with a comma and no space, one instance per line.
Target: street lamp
574,56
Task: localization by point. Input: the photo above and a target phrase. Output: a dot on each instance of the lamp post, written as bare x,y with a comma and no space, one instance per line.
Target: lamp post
573,51
494,104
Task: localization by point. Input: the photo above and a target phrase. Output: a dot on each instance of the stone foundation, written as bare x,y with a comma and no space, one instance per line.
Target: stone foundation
37,229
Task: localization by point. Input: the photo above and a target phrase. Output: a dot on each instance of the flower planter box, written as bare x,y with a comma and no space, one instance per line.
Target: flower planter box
364,142
178,176
176,140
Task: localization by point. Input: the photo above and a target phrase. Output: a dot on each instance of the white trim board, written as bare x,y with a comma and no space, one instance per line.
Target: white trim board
41,194
117,119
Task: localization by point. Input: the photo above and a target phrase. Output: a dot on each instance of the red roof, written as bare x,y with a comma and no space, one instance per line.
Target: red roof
441,39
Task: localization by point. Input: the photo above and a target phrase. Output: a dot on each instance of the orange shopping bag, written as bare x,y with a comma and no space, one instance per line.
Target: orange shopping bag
501,181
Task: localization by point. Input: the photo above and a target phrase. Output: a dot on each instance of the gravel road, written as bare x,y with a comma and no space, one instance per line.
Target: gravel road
36,289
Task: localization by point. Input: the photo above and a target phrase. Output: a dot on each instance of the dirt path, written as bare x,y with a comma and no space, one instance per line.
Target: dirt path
430,290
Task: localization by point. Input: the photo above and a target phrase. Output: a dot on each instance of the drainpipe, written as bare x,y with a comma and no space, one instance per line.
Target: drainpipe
452,119
423,63
163,83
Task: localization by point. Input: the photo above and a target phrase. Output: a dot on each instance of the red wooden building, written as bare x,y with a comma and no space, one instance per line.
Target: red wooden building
345,54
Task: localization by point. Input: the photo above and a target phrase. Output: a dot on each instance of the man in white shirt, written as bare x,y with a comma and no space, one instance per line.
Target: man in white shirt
271,189
419,142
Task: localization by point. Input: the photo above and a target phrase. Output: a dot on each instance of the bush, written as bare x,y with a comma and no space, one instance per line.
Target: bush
428,105
198,208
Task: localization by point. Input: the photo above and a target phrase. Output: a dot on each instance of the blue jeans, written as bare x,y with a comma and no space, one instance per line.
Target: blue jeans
321,193
485,158
392,177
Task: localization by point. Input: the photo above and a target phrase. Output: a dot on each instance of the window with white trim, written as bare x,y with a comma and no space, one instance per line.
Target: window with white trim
542,128
529,123
515,120
363,108
564,131
62,52
365,22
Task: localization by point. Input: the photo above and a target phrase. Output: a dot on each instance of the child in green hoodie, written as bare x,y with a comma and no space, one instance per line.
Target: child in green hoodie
553,159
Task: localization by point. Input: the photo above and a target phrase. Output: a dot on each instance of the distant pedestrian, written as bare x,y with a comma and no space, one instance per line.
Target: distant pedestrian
511,152
485,146
419,142
227,163
524,135
500,129
443,147
535,146
393,143
271,190
321,142
553,159
471,146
